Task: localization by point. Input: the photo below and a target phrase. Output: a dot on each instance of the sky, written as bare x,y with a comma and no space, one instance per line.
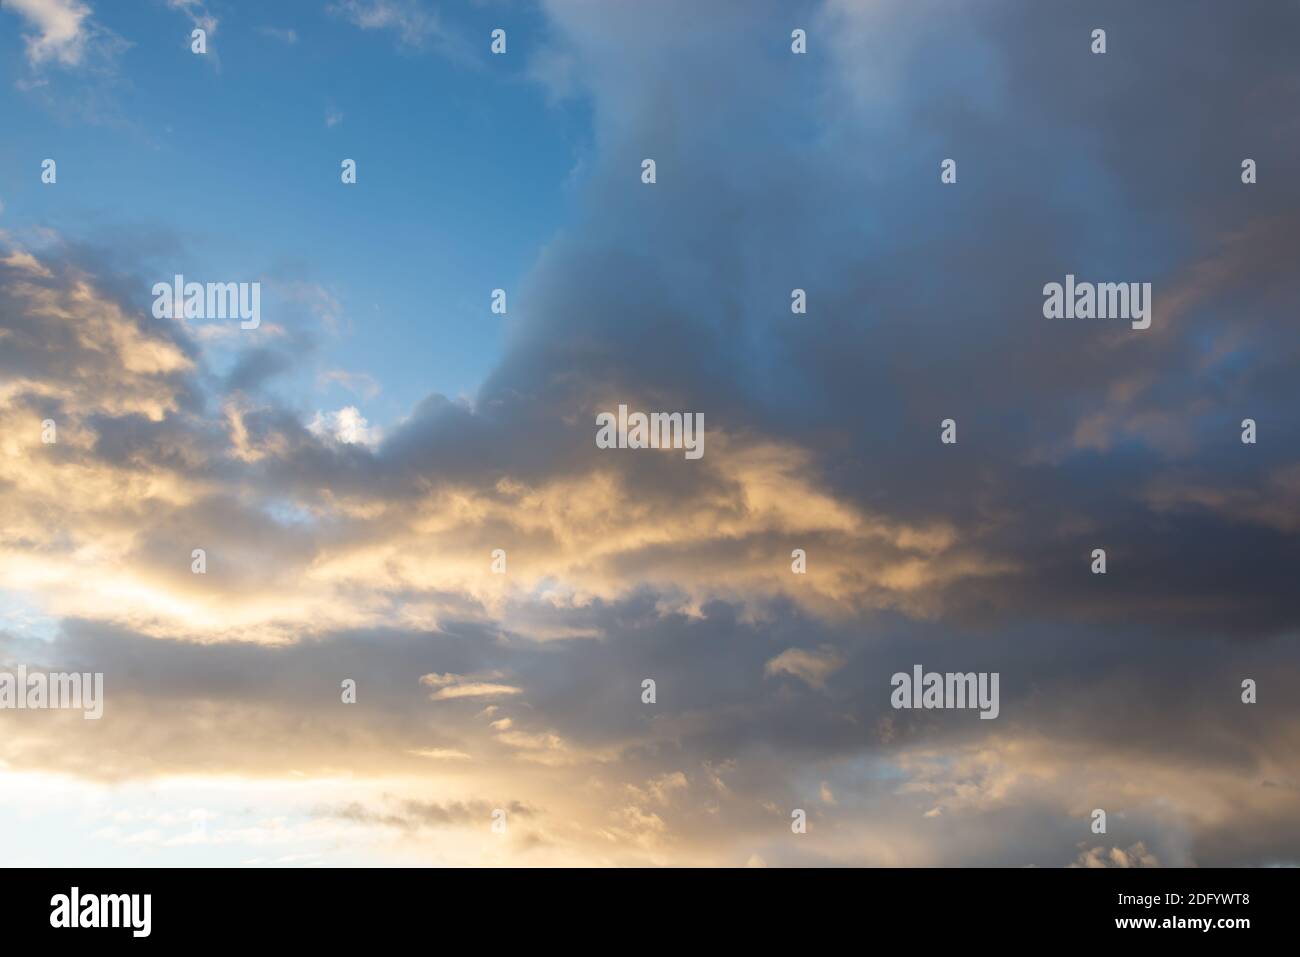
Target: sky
351,466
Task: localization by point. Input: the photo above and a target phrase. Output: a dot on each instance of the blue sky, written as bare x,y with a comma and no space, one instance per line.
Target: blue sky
227,166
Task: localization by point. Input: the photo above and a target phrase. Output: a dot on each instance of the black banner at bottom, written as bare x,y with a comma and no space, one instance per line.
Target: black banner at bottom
135,907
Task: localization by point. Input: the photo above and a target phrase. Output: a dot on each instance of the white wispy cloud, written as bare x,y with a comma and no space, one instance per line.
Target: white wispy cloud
415,25
61,29
361,383
465,686
197,12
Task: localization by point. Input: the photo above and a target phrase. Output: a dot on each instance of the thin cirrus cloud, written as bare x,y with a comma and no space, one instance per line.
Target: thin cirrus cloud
414,24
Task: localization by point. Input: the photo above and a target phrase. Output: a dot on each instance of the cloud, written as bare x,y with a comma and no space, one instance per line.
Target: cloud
61,29
1135,856
64,35
346,425
409,815
197,12
414,24
441,754
451,686
361,383
125,394
20,259
812,667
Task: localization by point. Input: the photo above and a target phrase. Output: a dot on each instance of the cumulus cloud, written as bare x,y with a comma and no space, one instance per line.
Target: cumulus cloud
346,425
